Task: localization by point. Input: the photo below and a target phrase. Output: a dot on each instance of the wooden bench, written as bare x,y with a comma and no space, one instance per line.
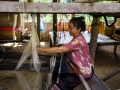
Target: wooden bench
95,83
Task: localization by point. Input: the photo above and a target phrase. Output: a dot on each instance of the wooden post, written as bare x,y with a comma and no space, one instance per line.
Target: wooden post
54,26
73,15
111,74
94,35
117,24
38,25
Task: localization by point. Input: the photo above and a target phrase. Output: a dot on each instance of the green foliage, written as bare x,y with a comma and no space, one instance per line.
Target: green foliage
49,17
42,0
108,1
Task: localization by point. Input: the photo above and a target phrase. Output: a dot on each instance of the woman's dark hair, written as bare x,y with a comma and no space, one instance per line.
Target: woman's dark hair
79,22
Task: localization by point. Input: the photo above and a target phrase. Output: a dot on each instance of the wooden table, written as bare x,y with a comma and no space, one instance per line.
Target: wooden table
64,37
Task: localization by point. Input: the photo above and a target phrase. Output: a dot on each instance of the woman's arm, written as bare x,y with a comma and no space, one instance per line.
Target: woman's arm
52,50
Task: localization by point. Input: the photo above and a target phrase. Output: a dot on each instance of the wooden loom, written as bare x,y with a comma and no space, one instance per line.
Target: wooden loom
92,8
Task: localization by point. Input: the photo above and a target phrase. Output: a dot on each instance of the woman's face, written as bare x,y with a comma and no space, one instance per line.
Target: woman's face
73,31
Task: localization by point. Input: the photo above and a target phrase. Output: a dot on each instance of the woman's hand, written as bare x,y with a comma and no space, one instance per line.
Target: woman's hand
52,50
38,49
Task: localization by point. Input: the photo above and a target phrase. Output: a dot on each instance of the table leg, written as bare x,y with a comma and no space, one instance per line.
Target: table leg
115,49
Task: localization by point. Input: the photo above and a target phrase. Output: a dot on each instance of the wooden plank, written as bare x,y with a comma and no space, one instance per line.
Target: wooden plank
37,7
96,84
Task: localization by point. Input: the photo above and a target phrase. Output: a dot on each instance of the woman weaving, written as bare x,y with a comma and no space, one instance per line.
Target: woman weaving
79,55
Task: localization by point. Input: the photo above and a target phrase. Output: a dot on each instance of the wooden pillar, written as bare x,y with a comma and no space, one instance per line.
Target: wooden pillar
73,15
117,24
94,35
38,25
54,26
38,22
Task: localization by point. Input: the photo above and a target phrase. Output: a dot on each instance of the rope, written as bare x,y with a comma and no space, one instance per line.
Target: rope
106,21
14,26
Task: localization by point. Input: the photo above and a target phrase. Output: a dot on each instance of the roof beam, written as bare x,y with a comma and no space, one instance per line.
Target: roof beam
35,7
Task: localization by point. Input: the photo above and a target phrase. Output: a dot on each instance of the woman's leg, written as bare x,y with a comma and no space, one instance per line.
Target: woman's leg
67,82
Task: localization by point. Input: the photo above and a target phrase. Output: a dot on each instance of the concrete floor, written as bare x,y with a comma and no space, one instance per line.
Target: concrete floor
105,63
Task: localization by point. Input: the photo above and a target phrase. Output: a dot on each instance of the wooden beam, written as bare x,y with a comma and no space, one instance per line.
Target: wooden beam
37,7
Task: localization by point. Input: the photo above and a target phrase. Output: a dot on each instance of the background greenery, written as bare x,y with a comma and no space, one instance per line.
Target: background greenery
62,17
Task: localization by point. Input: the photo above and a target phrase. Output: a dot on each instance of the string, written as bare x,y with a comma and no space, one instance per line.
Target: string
62,55
14,26
52,66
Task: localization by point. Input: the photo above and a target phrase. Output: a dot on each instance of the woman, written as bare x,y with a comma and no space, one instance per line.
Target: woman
78,53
